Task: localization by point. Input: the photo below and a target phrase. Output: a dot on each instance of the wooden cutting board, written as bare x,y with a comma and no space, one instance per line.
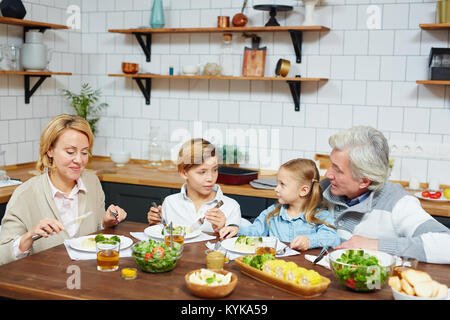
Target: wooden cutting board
254,59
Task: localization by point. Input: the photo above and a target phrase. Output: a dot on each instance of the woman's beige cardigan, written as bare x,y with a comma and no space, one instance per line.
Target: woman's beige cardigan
33,201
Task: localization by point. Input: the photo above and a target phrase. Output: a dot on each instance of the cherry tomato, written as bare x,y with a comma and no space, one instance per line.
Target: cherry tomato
426,194
158,251
436,195
148,255
351,283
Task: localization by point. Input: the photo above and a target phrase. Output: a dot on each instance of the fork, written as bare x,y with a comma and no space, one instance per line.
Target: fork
163,221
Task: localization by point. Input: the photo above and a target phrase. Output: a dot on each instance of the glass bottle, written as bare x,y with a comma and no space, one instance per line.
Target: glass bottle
154,148
227,55
157,17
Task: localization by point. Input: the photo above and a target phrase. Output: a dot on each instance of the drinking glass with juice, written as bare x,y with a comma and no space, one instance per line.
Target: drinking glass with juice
107,255
268,245
177,235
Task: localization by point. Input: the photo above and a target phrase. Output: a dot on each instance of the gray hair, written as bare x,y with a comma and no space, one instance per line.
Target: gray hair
368,151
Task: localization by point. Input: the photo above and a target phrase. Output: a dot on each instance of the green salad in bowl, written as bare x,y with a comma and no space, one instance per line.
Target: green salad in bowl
361,270
154,256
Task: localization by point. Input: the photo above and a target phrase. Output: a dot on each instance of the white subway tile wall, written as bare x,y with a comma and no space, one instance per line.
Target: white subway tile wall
371,72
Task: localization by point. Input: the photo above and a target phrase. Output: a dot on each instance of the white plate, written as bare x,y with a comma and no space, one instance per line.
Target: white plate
441,199
155,232
229,245
76,243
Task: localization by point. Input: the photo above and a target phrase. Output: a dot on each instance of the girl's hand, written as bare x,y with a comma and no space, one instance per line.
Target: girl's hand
154,215
228,232
45,227
300,243
216,218
109,219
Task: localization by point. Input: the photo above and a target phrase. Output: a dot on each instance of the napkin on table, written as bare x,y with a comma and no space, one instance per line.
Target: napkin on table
323,262
86,255
233,255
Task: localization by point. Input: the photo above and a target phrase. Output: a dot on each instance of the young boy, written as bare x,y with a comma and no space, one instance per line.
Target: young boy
198,166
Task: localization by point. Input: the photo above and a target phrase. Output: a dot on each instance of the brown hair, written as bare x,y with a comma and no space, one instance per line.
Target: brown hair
53,131
194,152
306,173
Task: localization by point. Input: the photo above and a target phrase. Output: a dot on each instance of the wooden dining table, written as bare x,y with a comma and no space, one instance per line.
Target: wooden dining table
47,275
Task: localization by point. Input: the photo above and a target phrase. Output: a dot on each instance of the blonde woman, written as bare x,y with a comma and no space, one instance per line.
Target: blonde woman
198,166
62,192
297,217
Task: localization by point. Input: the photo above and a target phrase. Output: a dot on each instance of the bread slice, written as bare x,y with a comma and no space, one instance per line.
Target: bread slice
424,289
415,276
407,287
394,282
436,285
443,291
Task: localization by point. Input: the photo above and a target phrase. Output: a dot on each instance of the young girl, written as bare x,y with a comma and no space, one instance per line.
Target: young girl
198,166
297,217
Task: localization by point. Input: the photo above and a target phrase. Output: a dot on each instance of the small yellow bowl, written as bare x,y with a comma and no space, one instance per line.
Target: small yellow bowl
129,273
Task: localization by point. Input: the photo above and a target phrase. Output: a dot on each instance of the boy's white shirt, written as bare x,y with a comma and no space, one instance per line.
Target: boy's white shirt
180,210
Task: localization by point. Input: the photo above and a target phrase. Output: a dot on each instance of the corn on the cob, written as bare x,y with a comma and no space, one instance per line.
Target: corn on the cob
291,272
310,278
295,274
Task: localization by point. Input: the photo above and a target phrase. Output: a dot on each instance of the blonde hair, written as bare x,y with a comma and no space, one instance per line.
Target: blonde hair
306,173
194,152
53,131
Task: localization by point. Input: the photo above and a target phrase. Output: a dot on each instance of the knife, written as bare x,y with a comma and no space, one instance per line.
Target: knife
76,220
197,224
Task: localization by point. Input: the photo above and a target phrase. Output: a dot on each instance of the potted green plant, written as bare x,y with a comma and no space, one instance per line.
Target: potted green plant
86,104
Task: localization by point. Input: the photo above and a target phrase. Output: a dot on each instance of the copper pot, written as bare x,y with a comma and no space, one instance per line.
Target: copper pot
239,20
223,21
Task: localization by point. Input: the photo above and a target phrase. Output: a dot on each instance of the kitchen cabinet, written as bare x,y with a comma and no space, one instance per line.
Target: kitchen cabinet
144,38
40,75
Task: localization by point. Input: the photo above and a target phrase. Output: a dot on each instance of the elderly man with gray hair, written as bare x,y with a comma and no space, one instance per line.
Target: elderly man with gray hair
372,213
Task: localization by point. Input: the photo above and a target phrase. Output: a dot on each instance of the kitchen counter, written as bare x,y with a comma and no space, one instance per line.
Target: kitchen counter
137,173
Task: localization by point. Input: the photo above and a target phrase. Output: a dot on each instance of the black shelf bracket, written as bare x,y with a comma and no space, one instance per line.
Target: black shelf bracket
296,88
29,92
145,45
145,89
297,39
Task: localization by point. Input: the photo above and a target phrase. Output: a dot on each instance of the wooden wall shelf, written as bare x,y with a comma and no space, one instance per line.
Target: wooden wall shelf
434,82
296,33
29,25
294,83
434,26
219,30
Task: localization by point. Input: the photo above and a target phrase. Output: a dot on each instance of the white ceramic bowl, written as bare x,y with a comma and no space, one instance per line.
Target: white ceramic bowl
402,296
120,157
190,69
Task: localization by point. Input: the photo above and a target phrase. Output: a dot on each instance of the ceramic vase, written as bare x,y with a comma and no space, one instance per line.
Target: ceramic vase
309,12
13,9
157,17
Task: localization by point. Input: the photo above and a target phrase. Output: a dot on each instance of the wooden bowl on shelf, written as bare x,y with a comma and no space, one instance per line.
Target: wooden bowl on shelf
130,68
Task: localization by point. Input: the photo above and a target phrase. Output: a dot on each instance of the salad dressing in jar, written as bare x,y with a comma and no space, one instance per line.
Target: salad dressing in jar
214,259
